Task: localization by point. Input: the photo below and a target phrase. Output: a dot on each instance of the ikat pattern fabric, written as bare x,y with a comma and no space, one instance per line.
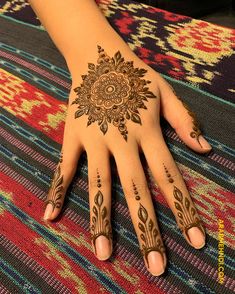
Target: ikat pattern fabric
197,58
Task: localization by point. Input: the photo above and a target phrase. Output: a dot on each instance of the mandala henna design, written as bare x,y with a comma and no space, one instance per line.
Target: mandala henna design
56,189
186,213
112,92
150,235
100,223
196,128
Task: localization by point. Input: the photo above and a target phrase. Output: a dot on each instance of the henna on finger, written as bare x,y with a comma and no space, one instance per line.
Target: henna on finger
55,194
150,234
100,222
112,92
196,127
186,213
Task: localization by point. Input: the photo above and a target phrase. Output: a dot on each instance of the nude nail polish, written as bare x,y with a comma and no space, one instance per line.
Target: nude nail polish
205,145
196,237
155,261
103,250
48,211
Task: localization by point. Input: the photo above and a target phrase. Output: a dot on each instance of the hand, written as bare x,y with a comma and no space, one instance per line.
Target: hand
114,109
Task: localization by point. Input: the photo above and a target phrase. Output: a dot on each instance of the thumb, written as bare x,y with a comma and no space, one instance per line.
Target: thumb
182,119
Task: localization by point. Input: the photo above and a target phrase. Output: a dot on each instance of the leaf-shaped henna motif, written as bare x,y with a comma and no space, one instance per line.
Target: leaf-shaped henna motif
56,190
100,223
112,92
186,213
150,234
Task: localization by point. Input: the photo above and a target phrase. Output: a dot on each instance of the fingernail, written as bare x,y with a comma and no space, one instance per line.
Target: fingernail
48,211
103,250
196,237
204,143
156,266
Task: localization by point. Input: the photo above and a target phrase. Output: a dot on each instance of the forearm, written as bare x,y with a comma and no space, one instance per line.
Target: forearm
74,26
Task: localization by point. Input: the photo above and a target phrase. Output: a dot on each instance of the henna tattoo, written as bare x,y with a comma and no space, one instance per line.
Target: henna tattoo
112,92
100,223
196,127
186,213
170,179
137,196
56,189
150,235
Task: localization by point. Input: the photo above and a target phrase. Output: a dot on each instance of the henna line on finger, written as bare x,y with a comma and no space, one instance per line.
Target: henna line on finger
100,223
196,127
149,233
112,92
186,213
56,190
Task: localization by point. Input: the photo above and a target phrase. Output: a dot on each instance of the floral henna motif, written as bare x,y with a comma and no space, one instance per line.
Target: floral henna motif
187,215
56,190
196,128
112,92
150,234
100,223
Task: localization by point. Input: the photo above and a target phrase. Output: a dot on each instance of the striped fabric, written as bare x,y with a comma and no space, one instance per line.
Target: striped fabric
197,58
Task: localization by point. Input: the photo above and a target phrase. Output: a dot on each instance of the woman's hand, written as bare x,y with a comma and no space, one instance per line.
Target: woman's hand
114,108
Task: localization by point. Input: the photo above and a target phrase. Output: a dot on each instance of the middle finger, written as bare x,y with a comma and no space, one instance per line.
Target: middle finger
141,209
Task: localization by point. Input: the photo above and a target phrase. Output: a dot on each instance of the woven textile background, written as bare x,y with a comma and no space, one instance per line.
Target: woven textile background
198,59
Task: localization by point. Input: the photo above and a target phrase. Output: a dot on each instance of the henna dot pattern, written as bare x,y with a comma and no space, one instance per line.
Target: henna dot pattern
100,223
169,178
137,196
112,92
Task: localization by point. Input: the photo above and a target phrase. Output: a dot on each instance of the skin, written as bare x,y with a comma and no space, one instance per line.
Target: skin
119,136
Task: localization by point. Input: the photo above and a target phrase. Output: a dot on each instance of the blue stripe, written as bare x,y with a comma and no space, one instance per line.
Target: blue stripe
62,246
189,280
18,279
206,166
220,146
29,136
41,28
221,100
41,82
35,59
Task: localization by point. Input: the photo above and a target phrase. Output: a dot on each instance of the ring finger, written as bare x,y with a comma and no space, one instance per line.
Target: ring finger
172,185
